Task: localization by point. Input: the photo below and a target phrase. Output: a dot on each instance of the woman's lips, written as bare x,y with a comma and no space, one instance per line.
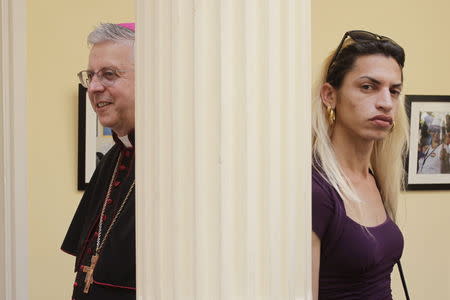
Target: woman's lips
382,121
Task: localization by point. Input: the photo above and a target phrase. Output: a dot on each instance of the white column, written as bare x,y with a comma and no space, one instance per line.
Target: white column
223,149
13,162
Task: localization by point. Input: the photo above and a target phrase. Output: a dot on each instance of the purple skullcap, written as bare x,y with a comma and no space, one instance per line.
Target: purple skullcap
127,25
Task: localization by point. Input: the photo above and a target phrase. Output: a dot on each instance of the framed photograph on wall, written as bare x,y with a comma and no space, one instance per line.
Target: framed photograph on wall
94,140
428,162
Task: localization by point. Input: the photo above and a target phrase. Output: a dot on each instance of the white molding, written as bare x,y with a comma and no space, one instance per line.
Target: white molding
14,134
145,133
304,68
223,167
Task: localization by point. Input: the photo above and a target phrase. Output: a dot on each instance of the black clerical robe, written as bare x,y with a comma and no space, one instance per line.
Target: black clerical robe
115,273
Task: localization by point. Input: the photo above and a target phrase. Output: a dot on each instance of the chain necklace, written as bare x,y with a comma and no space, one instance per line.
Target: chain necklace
108,194
89,270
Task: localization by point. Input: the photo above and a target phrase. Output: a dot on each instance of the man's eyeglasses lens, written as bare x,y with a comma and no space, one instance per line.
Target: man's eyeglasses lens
107,77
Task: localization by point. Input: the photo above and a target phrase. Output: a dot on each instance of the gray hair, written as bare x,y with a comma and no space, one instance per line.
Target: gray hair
110,32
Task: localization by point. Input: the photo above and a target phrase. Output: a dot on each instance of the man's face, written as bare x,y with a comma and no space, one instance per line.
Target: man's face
113,104
436,137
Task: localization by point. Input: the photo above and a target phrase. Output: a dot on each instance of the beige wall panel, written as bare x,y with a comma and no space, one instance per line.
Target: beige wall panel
57,50
421,27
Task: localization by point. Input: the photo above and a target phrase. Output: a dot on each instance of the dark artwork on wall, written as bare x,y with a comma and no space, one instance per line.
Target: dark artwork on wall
428,161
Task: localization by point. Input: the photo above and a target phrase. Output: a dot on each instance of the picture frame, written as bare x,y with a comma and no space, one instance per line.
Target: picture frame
94,140
428,161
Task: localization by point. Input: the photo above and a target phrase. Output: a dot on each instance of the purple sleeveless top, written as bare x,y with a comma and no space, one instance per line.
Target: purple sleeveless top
353,263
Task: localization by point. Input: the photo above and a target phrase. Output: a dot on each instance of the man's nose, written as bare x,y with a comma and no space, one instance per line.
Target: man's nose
96,85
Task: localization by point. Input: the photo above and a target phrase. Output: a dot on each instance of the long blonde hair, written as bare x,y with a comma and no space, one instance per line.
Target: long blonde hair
387,156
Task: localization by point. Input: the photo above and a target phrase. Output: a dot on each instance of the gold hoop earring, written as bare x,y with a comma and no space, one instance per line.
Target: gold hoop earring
392,128
331,115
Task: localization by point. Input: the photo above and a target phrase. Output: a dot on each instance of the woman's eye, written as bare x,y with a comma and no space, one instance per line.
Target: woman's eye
367,87
395,93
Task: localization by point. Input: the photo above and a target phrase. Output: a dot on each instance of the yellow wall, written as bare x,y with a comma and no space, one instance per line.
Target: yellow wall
57,50
421,27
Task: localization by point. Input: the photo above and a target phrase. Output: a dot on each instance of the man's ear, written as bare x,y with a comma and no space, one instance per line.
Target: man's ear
328,95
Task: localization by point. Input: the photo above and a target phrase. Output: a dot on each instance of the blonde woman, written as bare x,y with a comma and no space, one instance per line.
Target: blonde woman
359,138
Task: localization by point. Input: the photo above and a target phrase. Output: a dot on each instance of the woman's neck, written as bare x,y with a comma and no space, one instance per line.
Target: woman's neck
352,152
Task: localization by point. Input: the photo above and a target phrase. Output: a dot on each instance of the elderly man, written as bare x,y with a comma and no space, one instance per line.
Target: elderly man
102,233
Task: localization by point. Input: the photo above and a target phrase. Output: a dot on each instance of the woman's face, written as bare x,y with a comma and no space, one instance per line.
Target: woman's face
368,99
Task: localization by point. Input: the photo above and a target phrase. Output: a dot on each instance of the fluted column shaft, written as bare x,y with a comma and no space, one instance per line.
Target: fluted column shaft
223,149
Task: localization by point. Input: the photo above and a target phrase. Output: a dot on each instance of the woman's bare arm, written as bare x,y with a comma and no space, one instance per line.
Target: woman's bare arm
315,265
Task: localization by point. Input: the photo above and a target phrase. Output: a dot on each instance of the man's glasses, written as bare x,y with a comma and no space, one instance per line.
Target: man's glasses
106,76
357,36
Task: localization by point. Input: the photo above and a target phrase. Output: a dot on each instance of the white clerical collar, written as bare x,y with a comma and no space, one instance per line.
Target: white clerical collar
125,141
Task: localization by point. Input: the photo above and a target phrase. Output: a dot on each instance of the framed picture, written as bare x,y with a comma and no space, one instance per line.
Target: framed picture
428,163
94,140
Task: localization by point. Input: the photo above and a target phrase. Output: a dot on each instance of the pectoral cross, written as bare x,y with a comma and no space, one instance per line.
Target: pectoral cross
89,279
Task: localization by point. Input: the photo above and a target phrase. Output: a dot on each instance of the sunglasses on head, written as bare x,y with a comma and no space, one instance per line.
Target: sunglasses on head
358,36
